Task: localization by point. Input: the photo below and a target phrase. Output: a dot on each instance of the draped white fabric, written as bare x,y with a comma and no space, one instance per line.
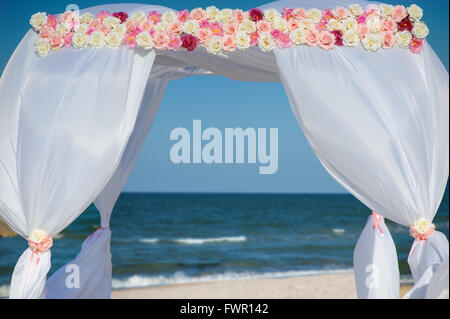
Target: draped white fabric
380,279
378,123
65,122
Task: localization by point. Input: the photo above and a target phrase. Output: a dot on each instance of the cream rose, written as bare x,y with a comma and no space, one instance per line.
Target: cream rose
111,21
350,39
38,235
161,26
212,13
280,24
168,17
420,30
242,40
355,10
80,40
308,23
120,29
349,24
97,40
314,14
298,36
214,45
271,14
42,47
403,38
225,15
247,26
139,16
371,42
86,17
38,20
191,26
374,24
114,40
415,12
266,42
334,24
62,29
385,10
82,28
422,225
144,40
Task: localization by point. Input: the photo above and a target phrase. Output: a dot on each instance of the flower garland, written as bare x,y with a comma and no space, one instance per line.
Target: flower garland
376,26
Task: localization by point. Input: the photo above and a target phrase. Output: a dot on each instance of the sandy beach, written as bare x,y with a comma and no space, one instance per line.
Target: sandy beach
330,286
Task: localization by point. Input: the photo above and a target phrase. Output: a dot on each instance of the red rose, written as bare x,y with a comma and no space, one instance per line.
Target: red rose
189,42
121,15
405,24
256,14
338,37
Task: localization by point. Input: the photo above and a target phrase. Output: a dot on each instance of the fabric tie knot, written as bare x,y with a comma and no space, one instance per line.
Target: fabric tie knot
40,241
377,219
421,229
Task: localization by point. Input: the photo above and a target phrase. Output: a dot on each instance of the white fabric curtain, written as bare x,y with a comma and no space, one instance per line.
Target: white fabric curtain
379,125
64,121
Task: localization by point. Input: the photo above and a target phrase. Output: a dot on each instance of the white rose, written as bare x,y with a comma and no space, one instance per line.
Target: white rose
355,10
62,29
86,17
191,26
271,14
138,16
314,14
371,42
350,39
226,15
374,24
111,21
80,40
242,40
114,40
334,24
422,225
38,20
420,30
349,24
144,40
42,47
266,42
280,24
120,29
161,26
385,10
212,13
82,28
214,45
168,17
247,26
97,40
298,36
403,38
38,235
415,12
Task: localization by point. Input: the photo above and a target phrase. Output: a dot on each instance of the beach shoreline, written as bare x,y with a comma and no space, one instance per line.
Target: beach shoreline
326,286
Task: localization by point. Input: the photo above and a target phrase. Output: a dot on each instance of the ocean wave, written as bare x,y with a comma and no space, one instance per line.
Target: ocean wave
201,241
338,230
149,240
4,291
138,281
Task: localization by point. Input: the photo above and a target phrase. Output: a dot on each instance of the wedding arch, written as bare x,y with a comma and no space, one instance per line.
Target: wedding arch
81,91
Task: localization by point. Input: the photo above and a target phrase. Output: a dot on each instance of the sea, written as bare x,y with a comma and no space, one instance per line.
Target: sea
167,238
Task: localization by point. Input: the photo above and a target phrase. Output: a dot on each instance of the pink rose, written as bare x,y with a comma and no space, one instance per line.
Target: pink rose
148,25
160,39
399,13
238,15
102,15
230,28
228,43
361,19
56,41
183,15
298,13
203,35
105,29
175,27
371,10
287,13
198,14
293,24
94,24
254,38
340,13
205,24
416,45
275,33
362,30
41,247
216,29
321,26
52,21
130,40
46,32
174,42
387,40
265,26
69,19
284,41
326,40
68,40
327,14
130,25
154,16
388,25
312,37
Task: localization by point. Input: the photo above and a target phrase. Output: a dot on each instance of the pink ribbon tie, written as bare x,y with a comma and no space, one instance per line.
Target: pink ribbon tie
377,219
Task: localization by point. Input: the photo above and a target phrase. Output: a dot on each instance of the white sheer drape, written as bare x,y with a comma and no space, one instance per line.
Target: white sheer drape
64,121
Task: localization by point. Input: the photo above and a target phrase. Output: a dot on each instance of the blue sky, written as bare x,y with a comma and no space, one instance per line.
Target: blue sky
223,103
